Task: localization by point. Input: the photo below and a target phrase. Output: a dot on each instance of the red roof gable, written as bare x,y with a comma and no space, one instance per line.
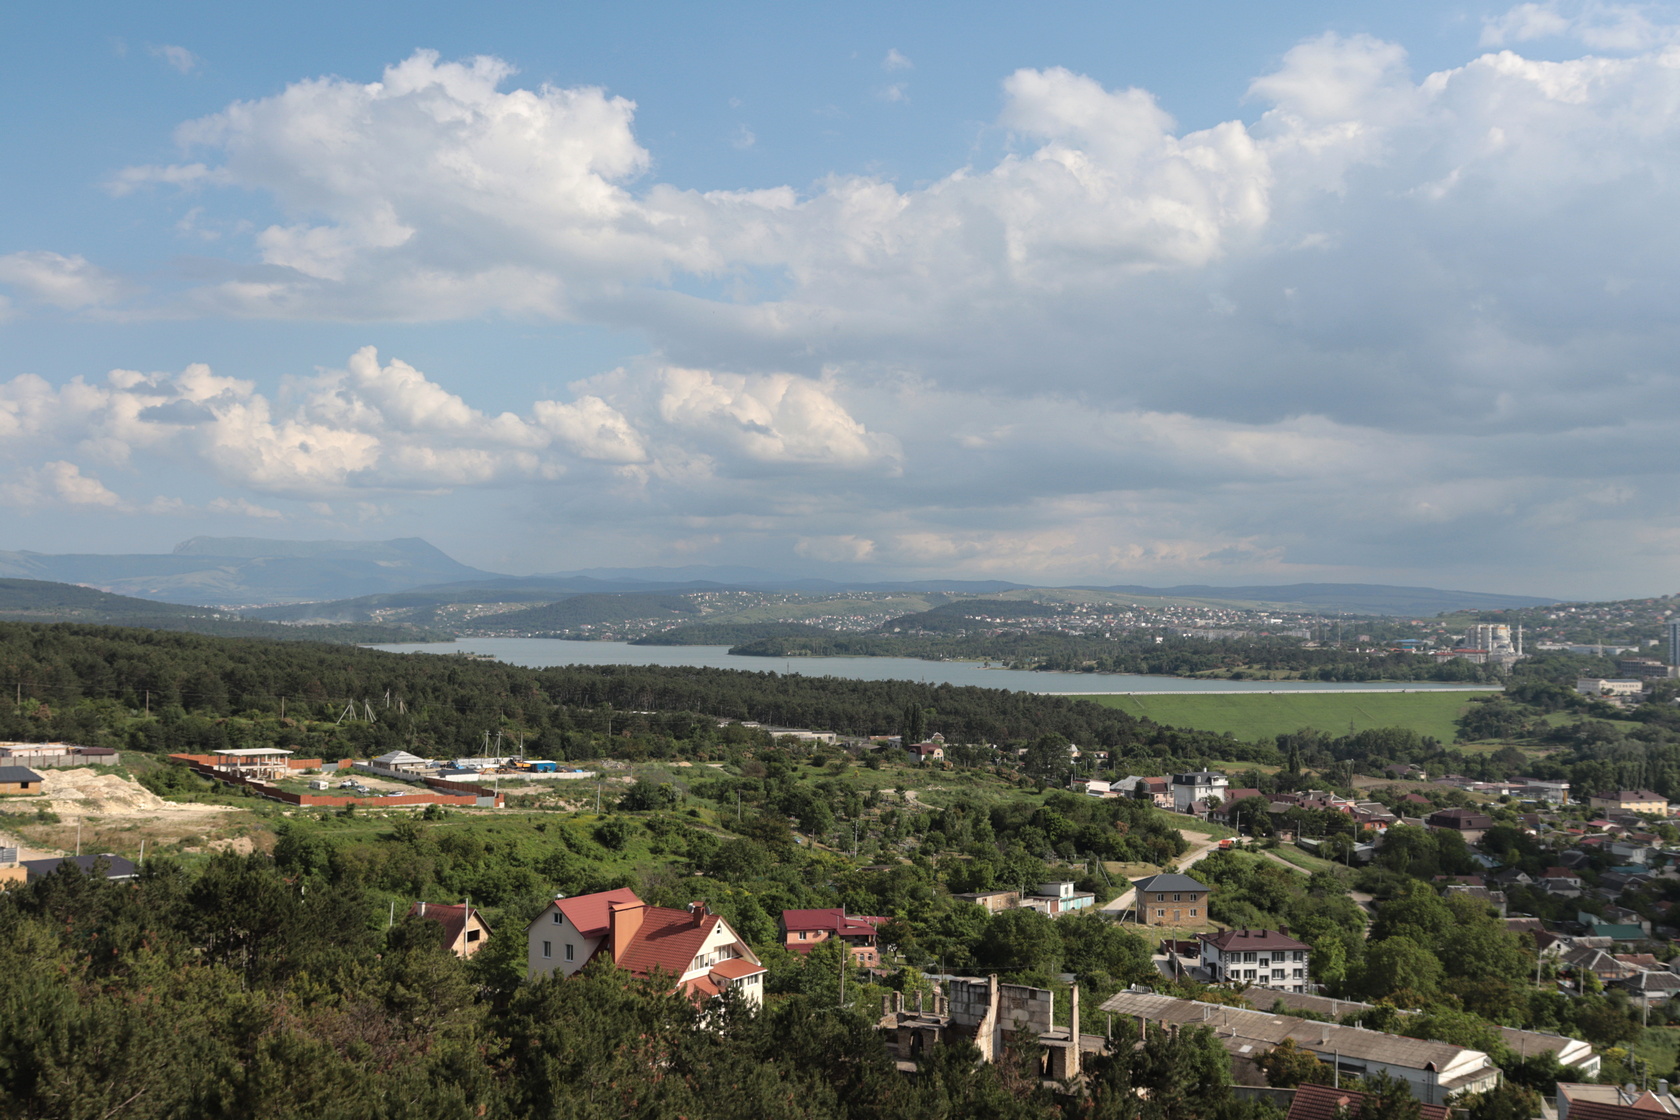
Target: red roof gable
453,919
1321,1102
1602,1110
668,940
588,912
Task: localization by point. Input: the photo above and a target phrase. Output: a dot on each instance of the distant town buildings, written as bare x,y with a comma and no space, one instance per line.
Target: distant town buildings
1631,801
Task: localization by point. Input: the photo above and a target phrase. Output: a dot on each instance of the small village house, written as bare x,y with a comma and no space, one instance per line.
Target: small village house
464,929
16,780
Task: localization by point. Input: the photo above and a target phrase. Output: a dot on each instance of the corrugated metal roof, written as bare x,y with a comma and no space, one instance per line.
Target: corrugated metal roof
1263,1028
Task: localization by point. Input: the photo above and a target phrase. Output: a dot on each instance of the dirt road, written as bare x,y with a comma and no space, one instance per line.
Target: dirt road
1200,845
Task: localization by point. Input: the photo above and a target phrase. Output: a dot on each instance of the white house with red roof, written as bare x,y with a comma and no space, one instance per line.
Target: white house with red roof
1265,958
700,951
802,930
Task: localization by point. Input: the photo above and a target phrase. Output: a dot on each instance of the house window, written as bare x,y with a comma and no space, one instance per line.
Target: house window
1160,913
472,935
555,916
569,948
1192,911
548,948
1160,898
1177,898
1299,973
1248,958
1298,955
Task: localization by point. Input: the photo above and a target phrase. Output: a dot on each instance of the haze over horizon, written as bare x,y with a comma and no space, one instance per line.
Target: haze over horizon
1122,295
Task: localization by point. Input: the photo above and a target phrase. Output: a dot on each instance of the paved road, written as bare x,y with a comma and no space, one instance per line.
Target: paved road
1200,845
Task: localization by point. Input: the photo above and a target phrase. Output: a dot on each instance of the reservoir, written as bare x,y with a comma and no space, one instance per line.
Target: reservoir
541,653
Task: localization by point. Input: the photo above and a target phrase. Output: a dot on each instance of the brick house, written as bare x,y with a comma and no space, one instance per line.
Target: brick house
1171,900
699,951
803,930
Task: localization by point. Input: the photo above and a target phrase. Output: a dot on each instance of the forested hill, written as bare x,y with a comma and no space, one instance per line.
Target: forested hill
94,684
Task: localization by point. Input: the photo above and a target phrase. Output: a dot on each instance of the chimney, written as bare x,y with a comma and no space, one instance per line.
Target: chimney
697,910
623,920
422,908
1284,930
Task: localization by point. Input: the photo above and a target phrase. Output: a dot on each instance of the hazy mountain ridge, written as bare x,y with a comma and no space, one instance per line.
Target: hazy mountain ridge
29,600
239,571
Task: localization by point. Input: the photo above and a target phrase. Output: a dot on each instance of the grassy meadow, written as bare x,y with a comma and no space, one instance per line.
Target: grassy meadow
1252,717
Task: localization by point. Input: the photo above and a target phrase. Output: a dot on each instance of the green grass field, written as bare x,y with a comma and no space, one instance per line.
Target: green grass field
1252,717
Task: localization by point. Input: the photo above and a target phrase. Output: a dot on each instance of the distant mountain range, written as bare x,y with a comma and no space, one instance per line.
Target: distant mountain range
243,571
360,580
30,600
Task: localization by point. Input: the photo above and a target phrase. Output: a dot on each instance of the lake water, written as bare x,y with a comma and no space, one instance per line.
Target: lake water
538,653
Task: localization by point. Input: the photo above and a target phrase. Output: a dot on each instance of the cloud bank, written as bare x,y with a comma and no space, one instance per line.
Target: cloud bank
1393,322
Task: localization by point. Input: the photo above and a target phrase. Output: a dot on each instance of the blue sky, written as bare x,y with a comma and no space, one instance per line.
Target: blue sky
1080,292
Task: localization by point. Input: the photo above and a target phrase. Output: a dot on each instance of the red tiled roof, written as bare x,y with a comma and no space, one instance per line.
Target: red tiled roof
1601,1110
588,912
1246,939
834,920
1321,1102
668,940
736,967
453,919
700,989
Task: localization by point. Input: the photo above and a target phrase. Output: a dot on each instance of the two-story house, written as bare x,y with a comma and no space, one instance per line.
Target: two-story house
1171,900
699,951
1631,801
803,930
1187,789
1263,957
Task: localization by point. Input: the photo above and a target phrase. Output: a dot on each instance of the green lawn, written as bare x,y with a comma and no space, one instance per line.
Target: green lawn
1253,717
